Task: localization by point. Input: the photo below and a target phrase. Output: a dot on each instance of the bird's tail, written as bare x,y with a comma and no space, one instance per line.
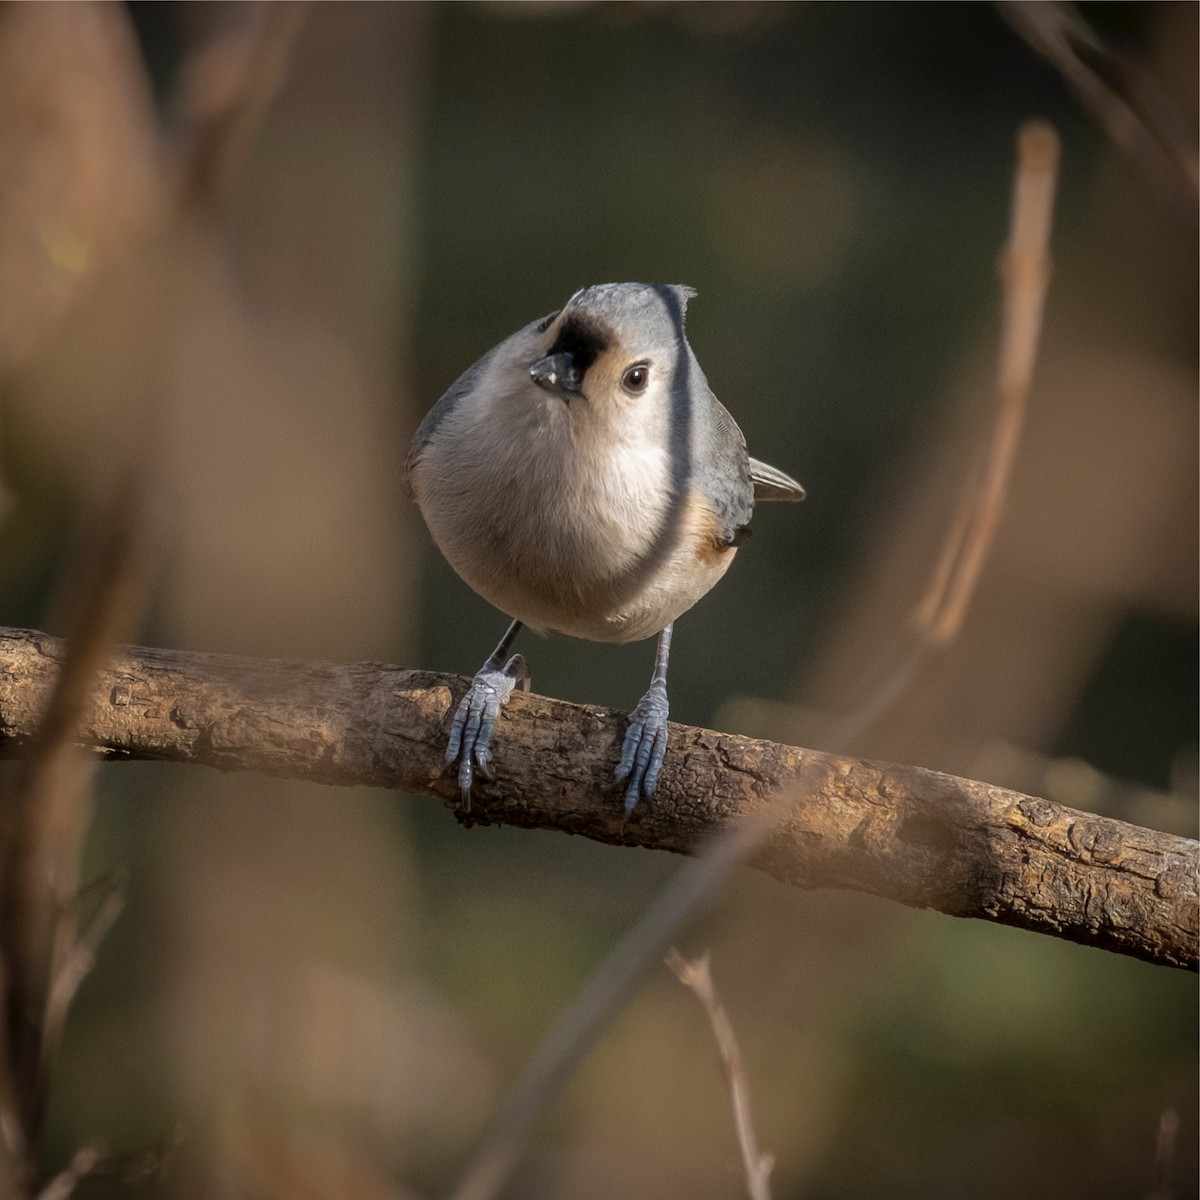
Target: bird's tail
770,483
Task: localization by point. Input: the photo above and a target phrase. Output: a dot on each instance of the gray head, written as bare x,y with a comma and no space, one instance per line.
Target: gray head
613,342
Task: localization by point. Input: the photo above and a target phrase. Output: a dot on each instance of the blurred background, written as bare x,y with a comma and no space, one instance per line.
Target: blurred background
327,989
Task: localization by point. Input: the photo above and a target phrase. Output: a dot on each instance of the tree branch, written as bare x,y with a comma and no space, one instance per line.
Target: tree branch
919,837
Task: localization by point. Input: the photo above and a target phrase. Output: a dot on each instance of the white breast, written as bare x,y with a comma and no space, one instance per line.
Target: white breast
537,520
559,515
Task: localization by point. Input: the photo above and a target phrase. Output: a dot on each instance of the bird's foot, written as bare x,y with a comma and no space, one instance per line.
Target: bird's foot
644,748
475,719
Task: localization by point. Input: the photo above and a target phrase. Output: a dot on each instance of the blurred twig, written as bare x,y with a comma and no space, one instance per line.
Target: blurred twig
226,89
1165,1140
78,965
83,1163
1025,269
134,1169
48,816
1025,272
1127,104
82,191
580,1026
79,172
75,104
697,975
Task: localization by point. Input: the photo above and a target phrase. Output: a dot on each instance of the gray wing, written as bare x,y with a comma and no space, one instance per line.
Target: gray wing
770,483
462,386
721,471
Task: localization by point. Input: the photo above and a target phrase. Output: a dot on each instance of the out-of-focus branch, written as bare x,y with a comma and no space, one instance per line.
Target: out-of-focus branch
697,975
83,1163
1025,269
133,1170
916,836
79,172
1165,1140
49,814
225,91
1127,104
78,964
1025,273
86,189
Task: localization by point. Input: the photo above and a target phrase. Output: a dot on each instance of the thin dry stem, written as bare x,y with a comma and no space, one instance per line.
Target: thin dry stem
14,1143
226,91
578,1029
83,1163
1129,105
697,975
697,884
1025,274
1165,1141
141,1167
51,804
73,971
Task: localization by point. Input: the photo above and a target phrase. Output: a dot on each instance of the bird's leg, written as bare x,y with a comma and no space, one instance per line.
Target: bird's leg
646,737
475,718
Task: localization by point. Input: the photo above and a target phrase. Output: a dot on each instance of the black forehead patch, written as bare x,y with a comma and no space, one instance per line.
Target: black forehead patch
584,338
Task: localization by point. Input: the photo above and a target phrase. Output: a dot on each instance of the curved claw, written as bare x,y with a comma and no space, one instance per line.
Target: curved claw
644,748
518,668
474,722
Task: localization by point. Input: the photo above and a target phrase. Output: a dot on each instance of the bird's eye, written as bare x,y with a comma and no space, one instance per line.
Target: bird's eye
635,379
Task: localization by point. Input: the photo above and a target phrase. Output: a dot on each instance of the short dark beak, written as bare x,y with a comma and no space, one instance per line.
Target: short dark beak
557,373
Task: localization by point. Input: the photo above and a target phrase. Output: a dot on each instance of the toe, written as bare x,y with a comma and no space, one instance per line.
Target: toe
654,766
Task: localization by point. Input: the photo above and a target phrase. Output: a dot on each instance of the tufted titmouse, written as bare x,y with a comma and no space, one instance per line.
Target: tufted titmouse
582,477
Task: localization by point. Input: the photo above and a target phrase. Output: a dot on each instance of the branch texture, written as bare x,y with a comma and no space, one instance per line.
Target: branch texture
919,837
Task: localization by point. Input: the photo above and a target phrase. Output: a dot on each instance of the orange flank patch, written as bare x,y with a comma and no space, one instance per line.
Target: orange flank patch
705,532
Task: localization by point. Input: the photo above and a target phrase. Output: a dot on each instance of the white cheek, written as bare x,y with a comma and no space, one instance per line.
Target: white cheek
638,463
638,419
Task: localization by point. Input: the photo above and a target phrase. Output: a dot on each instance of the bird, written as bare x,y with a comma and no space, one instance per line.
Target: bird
583,479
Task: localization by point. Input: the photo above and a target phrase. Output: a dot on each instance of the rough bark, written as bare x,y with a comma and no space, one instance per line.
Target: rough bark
923,838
